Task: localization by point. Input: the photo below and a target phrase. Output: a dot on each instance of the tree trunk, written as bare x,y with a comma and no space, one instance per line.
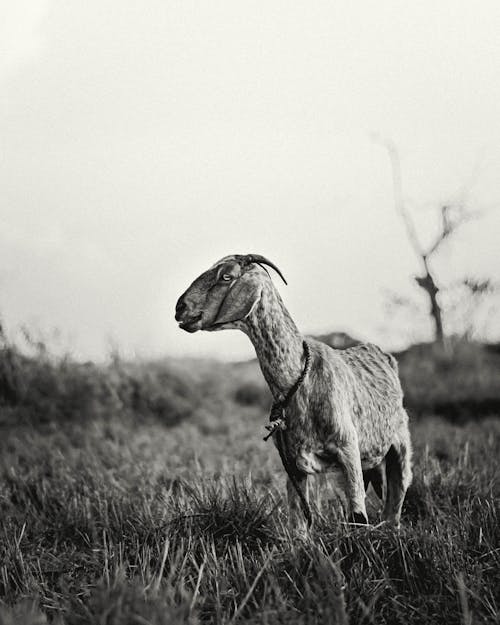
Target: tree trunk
427,283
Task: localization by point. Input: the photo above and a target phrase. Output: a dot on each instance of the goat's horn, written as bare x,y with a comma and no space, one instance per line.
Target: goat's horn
257,258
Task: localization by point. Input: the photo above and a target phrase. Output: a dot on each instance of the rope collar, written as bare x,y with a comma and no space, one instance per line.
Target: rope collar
277,418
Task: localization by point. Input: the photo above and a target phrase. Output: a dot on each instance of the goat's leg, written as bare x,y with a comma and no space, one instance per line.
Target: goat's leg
377,478
350,462
297,517
398,470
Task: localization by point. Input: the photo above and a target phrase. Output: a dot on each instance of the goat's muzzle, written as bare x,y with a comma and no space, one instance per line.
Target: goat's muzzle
187,320
180,308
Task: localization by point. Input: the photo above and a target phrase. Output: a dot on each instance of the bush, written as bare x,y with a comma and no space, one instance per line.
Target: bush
458,383
43,389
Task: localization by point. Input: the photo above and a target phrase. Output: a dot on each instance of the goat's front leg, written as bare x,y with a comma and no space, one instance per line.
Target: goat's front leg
349,460
296,512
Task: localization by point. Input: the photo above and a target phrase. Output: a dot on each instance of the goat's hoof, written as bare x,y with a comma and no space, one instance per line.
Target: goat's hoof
359,518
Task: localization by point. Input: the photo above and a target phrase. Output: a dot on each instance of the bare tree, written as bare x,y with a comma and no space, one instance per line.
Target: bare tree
452,217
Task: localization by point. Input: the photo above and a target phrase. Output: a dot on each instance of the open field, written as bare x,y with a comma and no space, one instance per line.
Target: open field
133,516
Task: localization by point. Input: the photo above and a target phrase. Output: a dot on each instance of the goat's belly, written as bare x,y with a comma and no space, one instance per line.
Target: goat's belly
325,460
370,462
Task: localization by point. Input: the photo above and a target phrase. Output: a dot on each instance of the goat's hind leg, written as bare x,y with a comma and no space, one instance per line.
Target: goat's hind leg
376,477
399,475
350,461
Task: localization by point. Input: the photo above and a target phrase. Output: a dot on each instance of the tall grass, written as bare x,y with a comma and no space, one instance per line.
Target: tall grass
118,522
134,493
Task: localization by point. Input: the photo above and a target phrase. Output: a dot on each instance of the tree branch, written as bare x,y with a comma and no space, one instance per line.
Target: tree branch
399,202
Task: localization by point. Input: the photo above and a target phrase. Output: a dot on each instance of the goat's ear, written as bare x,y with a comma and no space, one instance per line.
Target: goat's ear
240,299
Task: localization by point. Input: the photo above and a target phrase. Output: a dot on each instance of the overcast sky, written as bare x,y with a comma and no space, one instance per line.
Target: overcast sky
142,141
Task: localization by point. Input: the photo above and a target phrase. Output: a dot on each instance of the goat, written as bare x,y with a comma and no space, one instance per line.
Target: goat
345,414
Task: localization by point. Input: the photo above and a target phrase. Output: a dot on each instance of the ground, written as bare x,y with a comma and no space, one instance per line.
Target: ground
126,520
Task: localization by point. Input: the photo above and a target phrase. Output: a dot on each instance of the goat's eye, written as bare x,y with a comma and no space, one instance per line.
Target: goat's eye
226,277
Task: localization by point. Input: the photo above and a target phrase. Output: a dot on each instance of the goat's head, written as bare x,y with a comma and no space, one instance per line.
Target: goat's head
224,294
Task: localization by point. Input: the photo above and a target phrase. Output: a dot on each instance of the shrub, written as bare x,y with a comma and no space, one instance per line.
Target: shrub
460,383
43,389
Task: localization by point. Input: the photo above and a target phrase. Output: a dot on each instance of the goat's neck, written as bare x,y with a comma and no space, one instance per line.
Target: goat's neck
277,341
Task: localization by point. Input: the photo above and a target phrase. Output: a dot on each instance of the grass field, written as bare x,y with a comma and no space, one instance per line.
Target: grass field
119,516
